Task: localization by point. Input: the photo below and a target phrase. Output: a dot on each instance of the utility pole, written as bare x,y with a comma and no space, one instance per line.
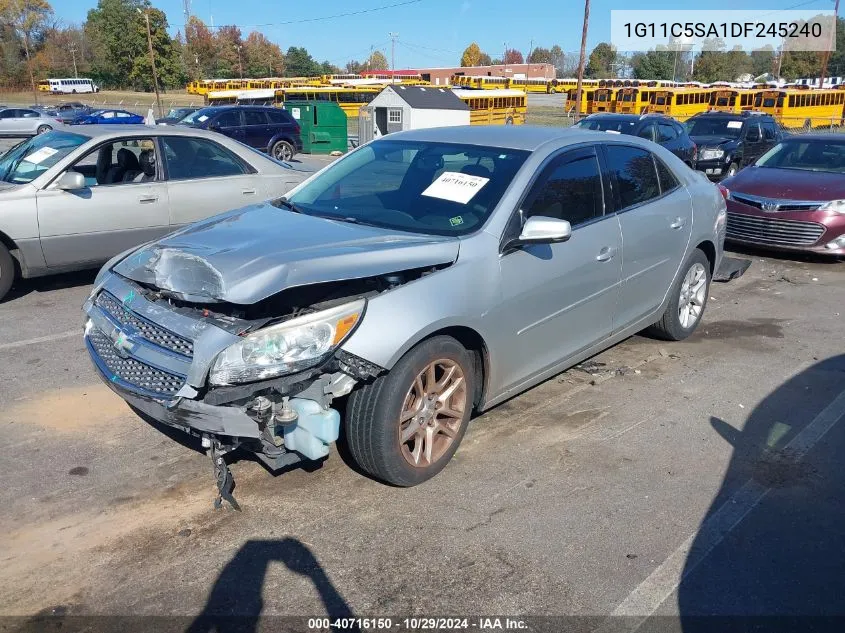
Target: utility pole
583,59
827,52
152,59
530,50
240,65
73,52
393,37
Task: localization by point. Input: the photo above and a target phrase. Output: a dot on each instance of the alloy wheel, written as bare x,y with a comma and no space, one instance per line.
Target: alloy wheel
432,413
693,296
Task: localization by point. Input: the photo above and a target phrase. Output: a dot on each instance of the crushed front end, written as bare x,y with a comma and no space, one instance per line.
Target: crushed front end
167,358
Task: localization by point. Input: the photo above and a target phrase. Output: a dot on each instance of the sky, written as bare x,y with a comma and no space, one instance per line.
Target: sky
430,32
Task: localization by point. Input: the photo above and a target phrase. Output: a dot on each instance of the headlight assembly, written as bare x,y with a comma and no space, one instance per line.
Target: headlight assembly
837,206
711,154
287,347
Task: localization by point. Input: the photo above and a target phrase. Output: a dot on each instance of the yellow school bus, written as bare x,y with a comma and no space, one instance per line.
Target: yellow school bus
484,83
680,103
494,107
732,99
803,107
602,100
632,100
44,85
530,85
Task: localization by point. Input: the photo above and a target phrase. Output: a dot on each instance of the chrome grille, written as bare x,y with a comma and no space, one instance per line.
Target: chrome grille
131,371
773,205
147,330
751,228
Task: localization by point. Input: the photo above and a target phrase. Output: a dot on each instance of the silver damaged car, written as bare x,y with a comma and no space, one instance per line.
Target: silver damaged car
427,275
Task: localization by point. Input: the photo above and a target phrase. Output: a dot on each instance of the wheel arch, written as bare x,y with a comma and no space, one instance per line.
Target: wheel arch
709,249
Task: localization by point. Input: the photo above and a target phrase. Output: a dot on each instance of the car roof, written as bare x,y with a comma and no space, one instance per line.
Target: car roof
523,137
128,129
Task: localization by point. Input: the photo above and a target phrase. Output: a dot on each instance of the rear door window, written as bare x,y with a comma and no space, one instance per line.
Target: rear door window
190,158
255,117
633,171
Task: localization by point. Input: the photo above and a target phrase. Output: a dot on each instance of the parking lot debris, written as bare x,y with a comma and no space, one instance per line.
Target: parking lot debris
731,268
594,368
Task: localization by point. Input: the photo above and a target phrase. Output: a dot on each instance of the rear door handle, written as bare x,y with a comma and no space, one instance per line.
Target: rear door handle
147,199
248,192
606,254
678,223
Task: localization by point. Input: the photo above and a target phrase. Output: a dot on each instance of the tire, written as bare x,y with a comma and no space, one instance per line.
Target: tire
374,411
7,271
43,128
731,171
509,121
671,327
282,150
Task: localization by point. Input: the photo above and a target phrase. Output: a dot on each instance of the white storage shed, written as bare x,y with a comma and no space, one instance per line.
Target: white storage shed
399,108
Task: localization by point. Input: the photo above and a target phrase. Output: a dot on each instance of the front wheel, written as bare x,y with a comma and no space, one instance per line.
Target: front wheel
687,300
7,271
43,128
282,150
404,427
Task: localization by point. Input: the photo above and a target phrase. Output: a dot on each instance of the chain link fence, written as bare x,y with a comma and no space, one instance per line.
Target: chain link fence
812,125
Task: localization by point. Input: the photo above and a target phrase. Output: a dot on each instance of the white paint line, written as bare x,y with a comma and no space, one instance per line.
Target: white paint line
42,339
663,581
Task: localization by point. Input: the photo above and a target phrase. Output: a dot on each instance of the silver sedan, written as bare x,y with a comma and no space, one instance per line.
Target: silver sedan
26,121
428,274
74,197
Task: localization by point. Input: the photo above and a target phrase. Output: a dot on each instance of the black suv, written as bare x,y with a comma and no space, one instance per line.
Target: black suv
269,129
659,128
728,142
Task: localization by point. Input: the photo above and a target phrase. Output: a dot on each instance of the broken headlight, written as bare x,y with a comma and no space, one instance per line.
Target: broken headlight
287,347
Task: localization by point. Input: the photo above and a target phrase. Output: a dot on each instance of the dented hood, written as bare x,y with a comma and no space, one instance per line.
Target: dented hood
247,255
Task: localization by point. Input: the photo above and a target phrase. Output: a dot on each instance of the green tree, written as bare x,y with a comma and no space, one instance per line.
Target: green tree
484,60
797,64
654,64
327,68
471,56
118,37
299,63
600,64
836,63
228,52
540,55
168,56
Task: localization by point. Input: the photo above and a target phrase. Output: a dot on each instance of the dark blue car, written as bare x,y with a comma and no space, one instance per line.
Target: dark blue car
100,117
269,129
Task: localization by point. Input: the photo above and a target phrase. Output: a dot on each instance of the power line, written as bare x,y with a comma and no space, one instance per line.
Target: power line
325,17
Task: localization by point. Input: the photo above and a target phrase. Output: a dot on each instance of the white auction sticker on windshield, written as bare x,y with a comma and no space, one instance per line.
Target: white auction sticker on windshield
455,187
734,124
40,155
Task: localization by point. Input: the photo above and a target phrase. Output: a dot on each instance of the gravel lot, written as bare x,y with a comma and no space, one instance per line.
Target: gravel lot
653,480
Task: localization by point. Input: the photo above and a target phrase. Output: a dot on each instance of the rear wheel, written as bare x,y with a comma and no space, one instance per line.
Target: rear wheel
405,426
43,128
282,150
7,271
687,300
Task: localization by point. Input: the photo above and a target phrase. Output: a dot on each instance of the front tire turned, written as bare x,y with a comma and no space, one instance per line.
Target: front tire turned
7,271
688,299
405,426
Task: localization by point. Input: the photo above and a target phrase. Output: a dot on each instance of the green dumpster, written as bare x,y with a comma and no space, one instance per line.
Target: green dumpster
323,124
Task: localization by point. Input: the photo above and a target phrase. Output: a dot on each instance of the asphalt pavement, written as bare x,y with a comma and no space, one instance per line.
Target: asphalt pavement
675,479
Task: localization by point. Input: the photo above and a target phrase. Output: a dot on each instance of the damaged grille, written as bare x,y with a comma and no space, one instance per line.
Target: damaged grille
131,371
147,330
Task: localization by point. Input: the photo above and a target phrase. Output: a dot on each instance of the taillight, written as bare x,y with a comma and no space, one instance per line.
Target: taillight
724,191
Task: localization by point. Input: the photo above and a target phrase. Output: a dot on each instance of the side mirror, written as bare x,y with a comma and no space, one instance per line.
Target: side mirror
71,181
541,230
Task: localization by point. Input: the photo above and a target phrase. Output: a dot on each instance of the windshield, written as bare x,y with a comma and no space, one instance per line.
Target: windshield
806,155
199,116
178,113
433,188
608,124
28,160
730,128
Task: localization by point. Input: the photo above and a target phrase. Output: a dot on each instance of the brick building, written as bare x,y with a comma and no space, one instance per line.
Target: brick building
441,76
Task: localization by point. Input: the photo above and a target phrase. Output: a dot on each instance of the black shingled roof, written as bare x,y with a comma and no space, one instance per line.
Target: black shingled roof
429,98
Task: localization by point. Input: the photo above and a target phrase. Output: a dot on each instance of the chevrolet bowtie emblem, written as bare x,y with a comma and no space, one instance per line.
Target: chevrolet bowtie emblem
123,344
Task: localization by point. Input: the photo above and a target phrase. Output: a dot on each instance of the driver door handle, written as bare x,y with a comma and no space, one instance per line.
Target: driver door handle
248,192
678,223
147,199
606,254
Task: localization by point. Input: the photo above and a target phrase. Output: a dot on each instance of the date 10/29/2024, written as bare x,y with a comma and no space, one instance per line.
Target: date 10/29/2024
417,624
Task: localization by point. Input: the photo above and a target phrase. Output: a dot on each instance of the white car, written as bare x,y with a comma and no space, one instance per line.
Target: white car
74,197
